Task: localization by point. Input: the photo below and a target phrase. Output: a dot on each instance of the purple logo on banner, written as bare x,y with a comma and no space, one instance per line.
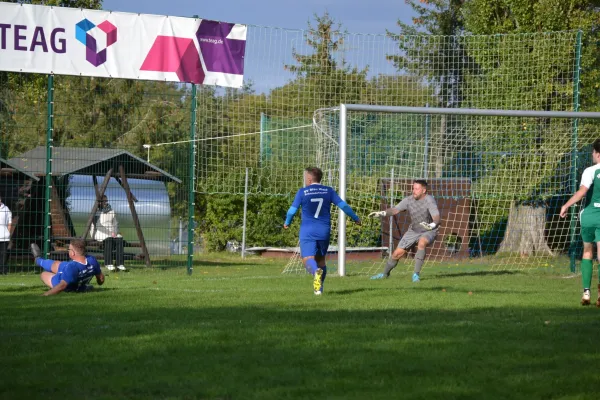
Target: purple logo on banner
96,39
220,54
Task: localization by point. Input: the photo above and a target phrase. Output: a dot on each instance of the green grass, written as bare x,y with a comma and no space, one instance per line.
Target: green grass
241,330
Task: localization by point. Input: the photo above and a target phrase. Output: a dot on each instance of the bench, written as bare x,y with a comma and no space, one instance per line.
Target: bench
89,243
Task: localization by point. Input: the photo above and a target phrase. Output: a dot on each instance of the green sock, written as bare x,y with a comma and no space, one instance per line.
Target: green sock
586,273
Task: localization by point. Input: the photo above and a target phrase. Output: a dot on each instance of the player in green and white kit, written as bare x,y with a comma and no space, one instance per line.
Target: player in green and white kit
590,221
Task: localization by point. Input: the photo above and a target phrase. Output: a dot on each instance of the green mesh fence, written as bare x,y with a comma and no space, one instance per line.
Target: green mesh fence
171,144
69,141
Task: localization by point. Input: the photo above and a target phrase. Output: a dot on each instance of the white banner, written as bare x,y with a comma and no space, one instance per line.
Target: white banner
70,41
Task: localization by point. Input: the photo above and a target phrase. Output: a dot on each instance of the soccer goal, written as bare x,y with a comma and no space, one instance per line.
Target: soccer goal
499,178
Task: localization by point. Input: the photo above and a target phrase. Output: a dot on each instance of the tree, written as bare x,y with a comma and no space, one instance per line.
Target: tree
531,72
23,96
526,16
430,49
327,38
323,78
89,4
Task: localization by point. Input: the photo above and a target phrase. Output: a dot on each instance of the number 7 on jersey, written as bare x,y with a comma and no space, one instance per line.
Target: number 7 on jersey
320,201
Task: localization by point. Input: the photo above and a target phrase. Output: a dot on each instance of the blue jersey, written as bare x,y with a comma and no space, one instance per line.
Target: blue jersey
316,201
78,275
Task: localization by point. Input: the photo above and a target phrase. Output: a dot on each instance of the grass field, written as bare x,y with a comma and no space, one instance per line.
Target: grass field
241,330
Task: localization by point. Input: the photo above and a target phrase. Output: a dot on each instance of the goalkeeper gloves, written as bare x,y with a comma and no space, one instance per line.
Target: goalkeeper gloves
375,214
427,226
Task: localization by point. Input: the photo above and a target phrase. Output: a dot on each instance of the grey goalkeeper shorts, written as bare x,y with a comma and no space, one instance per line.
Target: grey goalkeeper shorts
411,237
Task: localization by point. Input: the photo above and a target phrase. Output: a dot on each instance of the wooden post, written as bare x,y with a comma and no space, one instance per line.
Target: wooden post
95,180
99,194
58,217
135,200
136,220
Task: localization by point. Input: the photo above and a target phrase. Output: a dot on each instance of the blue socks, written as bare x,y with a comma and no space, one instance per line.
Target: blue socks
311,266
46,264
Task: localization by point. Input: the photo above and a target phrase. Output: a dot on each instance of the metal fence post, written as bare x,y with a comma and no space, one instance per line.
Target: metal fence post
192,182
574,140
48,182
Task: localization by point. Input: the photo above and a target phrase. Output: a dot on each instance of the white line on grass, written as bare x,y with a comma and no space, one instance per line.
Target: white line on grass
224,278
159,289
570,276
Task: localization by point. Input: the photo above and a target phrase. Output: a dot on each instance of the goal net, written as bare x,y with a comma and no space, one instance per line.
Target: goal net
494,177
499,182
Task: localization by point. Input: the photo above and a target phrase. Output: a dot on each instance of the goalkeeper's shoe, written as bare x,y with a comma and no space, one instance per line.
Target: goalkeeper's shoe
585,299
380,276
416,278
318,282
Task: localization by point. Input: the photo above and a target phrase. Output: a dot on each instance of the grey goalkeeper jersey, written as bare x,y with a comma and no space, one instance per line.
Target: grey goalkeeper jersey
419,210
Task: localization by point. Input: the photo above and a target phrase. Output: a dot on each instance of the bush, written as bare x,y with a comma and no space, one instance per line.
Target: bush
223,221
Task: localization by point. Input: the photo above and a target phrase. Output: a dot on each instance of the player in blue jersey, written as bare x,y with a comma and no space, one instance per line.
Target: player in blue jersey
68,276
315,228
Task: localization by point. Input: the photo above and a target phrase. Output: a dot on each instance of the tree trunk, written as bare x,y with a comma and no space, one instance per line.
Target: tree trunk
525,231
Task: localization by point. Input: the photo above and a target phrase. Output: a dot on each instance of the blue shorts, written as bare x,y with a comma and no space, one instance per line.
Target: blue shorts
313,248
57,278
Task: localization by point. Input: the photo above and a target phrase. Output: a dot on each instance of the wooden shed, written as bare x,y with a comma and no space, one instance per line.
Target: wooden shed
66,161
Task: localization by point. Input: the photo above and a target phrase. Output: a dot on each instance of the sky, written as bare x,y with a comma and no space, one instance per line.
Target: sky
268,49
362,16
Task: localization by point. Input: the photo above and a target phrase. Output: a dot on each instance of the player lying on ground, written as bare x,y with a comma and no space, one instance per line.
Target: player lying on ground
69,276
315,228
425,221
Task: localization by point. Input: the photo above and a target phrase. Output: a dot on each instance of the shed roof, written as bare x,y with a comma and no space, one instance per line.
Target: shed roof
7,166
88,161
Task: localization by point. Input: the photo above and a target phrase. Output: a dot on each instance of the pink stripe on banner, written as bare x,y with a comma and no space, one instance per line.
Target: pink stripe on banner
175,54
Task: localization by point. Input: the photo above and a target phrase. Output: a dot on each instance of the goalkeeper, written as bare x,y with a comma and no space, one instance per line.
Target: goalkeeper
425,220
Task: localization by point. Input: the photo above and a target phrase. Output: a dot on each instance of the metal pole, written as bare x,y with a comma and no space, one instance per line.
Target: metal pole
472,111
263,121
426,150
192,181
180,247
391,218
48,183
342,193
245,216
574,140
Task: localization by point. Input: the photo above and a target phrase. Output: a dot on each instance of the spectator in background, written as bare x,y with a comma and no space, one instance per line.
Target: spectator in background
5,233
105,228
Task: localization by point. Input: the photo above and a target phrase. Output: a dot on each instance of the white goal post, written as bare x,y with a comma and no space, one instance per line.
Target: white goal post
344,109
